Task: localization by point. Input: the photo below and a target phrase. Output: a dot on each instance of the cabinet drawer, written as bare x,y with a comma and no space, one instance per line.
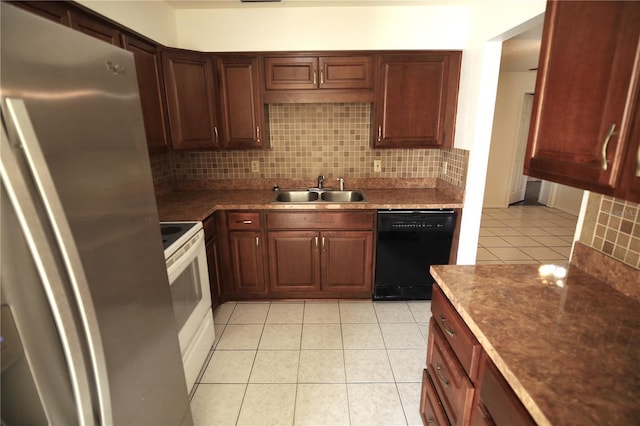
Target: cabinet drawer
499,401
451,383
431,409
244,220
321,220
464,344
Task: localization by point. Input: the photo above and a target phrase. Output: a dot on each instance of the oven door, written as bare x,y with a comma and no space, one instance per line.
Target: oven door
189,282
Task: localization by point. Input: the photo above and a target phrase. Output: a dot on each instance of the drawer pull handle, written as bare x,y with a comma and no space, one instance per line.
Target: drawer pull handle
316,242
430,420
450,331
379,133
443,379
258,242
605,145
244,222
638,163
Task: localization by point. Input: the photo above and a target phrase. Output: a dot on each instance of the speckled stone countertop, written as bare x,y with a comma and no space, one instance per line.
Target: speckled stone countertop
199,204
569,349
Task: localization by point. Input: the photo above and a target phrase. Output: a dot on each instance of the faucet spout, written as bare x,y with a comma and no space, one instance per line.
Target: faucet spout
320,181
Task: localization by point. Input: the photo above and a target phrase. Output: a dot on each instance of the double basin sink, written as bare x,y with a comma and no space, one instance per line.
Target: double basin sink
319,196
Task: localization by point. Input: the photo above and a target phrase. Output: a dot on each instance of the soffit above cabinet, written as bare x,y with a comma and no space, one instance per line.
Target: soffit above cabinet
224,4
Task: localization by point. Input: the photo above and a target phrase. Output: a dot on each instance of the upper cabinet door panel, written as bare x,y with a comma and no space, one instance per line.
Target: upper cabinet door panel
416,99
241,102
148,71
588,74
95,28
285,73
191,99
349,72
53,10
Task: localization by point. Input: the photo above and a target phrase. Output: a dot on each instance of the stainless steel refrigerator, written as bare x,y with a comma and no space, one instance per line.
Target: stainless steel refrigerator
88,331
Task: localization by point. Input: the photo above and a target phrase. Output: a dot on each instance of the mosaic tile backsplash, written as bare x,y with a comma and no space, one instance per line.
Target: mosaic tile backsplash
612,226
312,139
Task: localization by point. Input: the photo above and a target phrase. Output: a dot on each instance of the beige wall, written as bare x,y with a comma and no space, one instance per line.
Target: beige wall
512,87
154,19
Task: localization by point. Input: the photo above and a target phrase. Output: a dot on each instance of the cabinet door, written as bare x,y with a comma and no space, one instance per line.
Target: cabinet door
191,99
583,103
346,72
287,73
347,260
148,70
53,10
214,271
294,261
94,28
242,110
248,261
416,99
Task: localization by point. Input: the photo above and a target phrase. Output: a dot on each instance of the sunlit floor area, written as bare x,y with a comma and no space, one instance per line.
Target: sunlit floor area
315,363
525,234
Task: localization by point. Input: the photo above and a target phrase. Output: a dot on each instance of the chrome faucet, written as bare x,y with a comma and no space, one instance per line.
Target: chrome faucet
320,181
340,183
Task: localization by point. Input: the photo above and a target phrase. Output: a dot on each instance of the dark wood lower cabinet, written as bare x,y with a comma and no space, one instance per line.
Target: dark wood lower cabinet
454,395
294,261
213,265
247,258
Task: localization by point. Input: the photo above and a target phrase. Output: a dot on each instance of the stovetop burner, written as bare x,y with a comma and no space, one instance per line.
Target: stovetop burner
173,231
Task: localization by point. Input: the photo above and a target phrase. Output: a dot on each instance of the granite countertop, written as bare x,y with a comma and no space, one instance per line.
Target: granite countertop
570,349
199,204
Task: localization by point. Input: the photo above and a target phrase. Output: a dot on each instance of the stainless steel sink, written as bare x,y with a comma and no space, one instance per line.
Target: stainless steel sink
342,196
296,196
319,196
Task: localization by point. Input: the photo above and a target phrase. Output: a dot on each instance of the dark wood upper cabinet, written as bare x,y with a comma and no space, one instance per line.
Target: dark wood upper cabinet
587,96
324,72
629,187
151,86
241,106
416,99
191,99
95,28
52,10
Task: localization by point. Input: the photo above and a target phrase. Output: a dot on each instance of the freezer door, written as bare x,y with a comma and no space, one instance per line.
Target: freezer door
75,100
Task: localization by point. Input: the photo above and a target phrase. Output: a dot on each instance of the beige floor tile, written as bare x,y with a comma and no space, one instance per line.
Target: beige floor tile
505,232
229,367
486,232
214,405
357,313
362,336
249,313
552,241
285,313
321,366
321,336
268,404
561,230
322,404
281,336
410,398
402,336
421,310
321,313
565,252
517,241
407,364
490,262
485,255
240,337
543,253
367,365
375,404
492,242
275,367
223,313
533,231
393,312
509,253
492,223
424,330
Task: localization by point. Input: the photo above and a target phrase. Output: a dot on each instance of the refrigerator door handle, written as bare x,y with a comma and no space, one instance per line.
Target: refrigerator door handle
19,117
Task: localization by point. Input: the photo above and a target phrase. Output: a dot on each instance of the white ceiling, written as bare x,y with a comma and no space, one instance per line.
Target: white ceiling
214,4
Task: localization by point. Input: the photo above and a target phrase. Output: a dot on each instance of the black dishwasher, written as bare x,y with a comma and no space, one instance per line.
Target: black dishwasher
408,243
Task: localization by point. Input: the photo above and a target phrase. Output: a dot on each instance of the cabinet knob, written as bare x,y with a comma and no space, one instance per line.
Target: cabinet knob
605,144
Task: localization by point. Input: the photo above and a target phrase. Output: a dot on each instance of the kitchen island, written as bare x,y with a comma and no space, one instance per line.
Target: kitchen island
569,347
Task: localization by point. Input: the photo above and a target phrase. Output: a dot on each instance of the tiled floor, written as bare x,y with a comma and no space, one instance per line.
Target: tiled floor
315,363
525,234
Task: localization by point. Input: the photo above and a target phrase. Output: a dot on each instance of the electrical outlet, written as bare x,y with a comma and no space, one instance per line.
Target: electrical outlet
445,167
255,166
377,165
